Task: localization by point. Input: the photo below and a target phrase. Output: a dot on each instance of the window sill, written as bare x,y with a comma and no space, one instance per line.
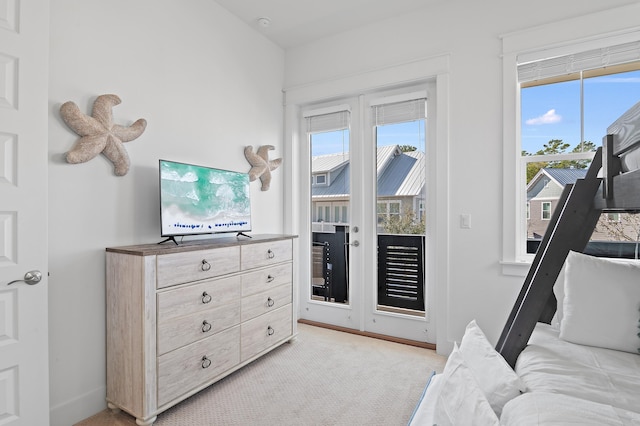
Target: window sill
515,268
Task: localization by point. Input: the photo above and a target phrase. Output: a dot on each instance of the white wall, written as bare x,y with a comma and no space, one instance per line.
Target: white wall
208,85
468,32
195,72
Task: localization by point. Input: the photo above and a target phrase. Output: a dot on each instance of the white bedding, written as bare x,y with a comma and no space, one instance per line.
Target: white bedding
567,384
423,413
551,365
542,408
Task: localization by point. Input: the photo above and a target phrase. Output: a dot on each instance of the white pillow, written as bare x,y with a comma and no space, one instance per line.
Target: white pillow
460,401
495,377
558,289
601,303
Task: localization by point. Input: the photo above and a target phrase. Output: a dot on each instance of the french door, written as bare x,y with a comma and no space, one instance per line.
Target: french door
364,159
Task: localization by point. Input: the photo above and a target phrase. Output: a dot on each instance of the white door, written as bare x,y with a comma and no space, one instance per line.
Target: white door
357,164
332,215
24,374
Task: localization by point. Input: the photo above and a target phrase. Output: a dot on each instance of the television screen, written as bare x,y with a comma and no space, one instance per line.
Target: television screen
202,200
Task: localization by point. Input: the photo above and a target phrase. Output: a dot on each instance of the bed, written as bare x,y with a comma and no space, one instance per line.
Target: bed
569,353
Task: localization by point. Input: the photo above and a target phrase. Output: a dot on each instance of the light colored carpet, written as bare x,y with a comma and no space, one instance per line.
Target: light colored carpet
323,377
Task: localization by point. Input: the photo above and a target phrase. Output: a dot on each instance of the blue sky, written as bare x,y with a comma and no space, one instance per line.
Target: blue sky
410,133
548,112
553,111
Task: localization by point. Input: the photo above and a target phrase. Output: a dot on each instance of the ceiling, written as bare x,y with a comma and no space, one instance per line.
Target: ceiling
293,23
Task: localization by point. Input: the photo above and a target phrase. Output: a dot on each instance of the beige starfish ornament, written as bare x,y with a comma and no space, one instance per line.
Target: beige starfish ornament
98,134
261,166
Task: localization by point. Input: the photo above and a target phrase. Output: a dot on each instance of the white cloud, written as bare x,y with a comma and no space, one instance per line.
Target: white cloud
549,117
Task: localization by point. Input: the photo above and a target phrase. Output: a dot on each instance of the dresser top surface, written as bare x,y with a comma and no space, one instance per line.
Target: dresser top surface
199,244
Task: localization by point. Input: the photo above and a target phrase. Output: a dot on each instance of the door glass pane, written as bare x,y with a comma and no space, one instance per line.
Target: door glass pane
401,196
330,192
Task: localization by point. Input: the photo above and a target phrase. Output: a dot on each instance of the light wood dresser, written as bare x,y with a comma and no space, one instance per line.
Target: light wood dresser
181,317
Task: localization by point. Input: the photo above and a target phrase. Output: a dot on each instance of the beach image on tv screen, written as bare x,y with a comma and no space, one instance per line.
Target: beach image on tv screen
198,200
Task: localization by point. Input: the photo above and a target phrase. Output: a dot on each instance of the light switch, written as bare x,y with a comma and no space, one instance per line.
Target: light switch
465,221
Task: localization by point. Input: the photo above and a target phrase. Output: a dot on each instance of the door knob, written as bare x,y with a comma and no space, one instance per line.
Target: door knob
31,278
355,243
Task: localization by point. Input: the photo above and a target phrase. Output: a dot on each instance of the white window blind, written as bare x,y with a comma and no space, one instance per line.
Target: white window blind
398,112
583,61
328,120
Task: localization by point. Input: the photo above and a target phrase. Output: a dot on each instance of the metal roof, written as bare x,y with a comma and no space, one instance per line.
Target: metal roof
565,176
328,163
399,174
538,186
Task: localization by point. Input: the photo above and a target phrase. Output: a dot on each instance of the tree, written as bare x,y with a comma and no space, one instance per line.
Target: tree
556,146
407,148
405,223
619,226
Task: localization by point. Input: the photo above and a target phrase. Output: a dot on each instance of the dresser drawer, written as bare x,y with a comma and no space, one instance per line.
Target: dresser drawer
178,268
264,279
190,366
263,254
264,331
197,297
184,330
267,301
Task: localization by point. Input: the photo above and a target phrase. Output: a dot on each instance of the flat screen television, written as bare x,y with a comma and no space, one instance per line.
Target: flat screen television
202,200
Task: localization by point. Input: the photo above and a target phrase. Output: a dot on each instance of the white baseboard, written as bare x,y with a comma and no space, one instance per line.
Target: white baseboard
79,408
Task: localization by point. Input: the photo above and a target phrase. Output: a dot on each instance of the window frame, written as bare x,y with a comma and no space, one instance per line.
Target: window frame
387,209
597,30
316,179
543,210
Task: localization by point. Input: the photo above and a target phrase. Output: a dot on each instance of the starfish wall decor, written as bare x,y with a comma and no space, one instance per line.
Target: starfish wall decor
261,166
98,134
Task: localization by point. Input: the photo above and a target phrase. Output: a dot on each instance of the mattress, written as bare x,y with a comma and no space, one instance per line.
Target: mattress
567,384
423,413
547,409
552,366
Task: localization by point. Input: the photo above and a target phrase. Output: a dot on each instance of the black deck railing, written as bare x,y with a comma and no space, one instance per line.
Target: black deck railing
613,249
401,271
401,268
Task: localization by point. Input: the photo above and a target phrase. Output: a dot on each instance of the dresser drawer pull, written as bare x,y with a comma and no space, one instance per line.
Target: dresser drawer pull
206,326
270,302
270,254
270,278
206,298
206,362
270,331
205,265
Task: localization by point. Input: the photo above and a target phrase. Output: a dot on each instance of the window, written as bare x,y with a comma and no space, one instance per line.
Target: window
320,179
613,217
546,210
566,105
387,210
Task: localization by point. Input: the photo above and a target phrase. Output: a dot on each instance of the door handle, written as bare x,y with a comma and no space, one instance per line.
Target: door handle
31,278
355,243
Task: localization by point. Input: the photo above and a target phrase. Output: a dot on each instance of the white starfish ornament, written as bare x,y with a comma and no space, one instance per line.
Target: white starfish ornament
261,166
98,134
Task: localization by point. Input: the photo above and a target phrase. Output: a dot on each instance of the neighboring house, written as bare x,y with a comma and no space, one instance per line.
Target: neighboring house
401,182
543,193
